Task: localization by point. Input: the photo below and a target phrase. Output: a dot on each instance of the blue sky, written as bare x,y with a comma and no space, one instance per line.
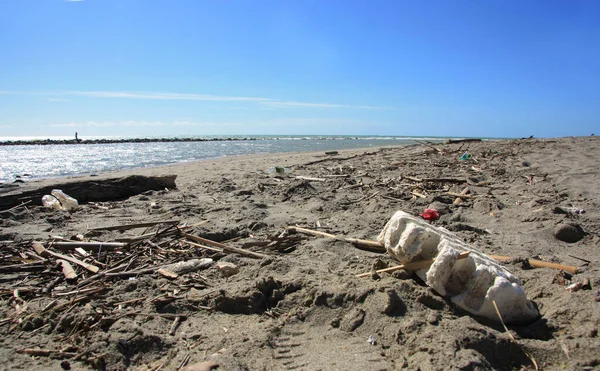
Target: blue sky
447,68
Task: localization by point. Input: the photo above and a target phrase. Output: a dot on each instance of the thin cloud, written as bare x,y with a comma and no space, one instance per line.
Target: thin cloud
163,96
5,126
317,105
263,103
133,123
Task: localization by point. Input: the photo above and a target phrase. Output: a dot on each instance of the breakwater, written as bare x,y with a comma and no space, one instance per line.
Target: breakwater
116,141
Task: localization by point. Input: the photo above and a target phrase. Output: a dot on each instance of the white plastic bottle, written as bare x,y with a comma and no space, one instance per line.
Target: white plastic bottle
67,202
51,202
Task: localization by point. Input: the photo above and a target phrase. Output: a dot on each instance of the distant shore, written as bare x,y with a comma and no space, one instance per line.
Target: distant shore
30,142
111,141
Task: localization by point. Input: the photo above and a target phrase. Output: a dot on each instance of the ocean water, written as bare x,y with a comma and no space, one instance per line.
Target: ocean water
47,161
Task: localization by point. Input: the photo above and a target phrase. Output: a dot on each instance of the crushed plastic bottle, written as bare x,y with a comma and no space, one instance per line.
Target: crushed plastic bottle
279,170
67,202
51,202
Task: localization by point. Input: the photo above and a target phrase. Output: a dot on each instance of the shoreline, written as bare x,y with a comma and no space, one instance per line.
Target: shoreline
43,142
208,164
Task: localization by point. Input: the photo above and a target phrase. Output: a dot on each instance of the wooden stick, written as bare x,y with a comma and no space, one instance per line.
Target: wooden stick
174,326
167,273
373,245
428,145
123,227
193,225
25,267
67,269
15,207
312,232
229,249
40,250
412,266
93,246
460,195
215,249
541,264
458,200
311,179
418,194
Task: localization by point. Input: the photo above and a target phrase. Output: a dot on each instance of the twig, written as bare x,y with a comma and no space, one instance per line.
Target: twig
229,249
458,200
40,250
512,338
92,246
371,245
311,179
215,249
418,194
67,269
124,227
428,145
412,266
14,208
25,267
174,326
541,264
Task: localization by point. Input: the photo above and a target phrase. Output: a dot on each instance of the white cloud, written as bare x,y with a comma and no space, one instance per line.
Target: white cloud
283,104
264,103
132,123
163,96
5,126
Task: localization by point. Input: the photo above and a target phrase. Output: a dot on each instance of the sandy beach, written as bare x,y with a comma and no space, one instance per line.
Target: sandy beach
297,303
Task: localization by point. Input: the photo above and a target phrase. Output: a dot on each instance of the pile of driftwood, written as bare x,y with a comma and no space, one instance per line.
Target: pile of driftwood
47,279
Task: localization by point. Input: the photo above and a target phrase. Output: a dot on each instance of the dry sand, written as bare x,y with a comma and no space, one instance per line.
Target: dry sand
302,307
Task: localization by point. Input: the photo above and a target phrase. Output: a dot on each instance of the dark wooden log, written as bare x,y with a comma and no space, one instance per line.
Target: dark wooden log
467,140
97,190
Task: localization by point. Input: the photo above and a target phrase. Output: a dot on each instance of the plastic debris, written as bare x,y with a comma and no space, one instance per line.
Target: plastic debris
279,170
59,200
473,283
51,202
371,340
465,157
430,214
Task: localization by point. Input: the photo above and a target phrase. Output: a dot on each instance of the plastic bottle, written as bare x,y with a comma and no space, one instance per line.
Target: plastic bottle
67,202
51,202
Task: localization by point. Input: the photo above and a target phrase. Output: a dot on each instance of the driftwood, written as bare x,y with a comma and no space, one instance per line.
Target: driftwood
462,194
41,251
371,245
67,269
112,189
124,227
541,264
466,140
92,246
228,249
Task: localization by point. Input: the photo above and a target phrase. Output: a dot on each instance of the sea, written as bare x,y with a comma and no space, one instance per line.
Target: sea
28,162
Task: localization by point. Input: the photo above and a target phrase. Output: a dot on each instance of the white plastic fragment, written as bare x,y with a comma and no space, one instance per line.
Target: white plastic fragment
472,283
60,201
67,202
51,202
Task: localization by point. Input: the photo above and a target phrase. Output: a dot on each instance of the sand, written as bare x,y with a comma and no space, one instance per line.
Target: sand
302,307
